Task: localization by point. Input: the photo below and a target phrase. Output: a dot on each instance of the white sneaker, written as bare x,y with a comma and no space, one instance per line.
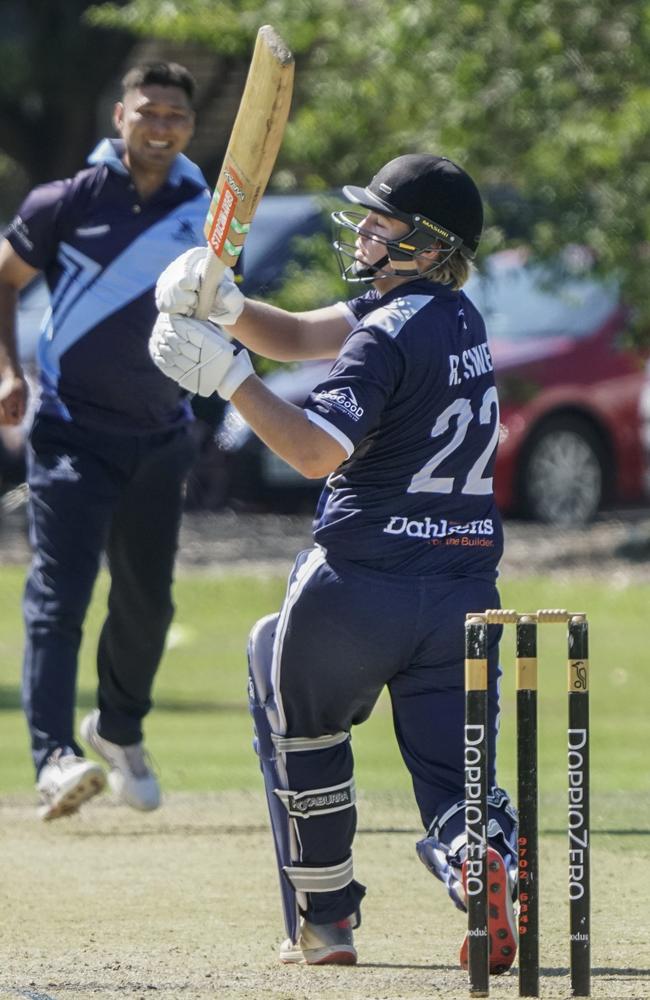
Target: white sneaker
130,777
322,944
65,782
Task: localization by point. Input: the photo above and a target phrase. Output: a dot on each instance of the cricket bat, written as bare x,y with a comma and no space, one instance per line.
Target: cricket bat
252,150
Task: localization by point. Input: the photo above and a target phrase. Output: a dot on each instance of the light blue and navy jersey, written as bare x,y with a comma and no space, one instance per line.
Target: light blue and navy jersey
102,248
412,400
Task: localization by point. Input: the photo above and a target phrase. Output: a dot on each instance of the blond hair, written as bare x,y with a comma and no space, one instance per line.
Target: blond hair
455,271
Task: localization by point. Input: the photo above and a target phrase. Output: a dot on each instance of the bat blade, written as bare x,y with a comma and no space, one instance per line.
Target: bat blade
254,144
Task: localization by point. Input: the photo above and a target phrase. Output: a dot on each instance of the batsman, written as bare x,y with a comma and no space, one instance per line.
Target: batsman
407,537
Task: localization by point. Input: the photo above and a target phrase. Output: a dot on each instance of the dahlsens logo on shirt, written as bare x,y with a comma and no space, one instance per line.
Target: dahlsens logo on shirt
442,528
342,399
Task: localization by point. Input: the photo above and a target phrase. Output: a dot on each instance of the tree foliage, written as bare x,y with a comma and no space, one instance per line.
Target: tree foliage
54,67
549,99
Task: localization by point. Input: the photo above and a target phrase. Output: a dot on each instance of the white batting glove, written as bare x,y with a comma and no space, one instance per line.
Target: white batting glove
177,289
228,301
193,353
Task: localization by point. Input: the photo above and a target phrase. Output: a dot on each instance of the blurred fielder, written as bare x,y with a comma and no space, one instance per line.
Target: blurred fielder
110,446
407,536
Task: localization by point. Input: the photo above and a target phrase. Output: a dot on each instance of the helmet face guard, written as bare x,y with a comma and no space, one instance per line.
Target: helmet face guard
400,259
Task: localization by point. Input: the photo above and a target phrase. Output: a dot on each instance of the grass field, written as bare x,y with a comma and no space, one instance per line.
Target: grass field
200,735
202,915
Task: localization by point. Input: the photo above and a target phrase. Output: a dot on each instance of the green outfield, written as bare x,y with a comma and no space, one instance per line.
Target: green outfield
200,734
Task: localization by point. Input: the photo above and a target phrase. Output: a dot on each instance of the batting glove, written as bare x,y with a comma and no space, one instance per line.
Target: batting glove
177,290
177,287
194,354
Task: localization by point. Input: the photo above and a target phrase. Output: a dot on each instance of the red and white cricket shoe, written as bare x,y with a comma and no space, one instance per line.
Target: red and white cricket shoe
502,931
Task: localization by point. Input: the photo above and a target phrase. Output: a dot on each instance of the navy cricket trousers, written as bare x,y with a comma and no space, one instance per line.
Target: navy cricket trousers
94,492
344,633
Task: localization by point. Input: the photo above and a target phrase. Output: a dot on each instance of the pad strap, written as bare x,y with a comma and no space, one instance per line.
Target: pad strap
320,879
295,744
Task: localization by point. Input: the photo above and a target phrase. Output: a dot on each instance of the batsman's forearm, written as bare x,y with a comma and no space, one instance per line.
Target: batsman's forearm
286,430
284,336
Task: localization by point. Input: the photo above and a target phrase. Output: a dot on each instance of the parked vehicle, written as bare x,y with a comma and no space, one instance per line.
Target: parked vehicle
569,389
644,416
280,222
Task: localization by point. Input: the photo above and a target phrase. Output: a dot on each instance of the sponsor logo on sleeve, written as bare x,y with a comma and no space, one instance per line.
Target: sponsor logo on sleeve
21,232
343,400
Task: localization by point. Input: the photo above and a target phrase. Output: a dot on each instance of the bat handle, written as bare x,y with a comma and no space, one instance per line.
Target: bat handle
214,269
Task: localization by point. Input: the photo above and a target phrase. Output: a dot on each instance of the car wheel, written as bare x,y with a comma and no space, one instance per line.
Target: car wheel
562,475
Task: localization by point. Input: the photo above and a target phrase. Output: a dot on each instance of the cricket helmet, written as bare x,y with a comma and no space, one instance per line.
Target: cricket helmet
437,200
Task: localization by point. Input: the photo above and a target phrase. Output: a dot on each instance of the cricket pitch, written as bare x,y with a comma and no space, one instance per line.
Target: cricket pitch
182,904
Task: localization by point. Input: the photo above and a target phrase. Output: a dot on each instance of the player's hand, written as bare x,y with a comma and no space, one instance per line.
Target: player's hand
197,356
228,301
13,399
177,289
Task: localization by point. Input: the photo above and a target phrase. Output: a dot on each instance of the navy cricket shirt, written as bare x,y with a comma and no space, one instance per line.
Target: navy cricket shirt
102,248
411,398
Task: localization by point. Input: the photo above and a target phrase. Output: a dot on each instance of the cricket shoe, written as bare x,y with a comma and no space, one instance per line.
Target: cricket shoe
65,782
322,944
130,777
501,917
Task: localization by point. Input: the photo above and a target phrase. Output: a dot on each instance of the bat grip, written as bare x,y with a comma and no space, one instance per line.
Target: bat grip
214,269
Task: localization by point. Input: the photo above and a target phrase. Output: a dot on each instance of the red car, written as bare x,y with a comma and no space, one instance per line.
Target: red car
569,391
569,388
